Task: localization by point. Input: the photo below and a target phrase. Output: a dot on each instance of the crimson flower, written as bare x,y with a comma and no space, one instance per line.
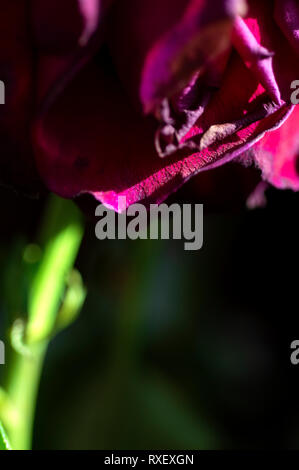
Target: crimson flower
134,97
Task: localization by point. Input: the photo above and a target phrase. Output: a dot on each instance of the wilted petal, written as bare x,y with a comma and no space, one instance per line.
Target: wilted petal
285,66
277,155
257,58
158,46
195,43
93,141
91,138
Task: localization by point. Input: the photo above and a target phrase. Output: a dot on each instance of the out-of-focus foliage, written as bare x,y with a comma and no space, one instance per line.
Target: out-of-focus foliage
4,443
174,349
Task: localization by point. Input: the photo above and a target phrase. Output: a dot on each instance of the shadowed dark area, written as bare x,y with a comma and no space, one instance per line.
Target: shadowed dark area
174,349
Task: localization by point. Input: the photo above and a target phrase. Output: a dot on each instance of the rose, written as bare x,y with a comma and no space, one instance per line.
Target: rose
98,90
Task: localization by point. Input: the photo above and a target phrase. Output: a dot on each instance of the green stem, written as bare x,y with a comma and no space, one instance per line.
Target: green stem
61,237
22,390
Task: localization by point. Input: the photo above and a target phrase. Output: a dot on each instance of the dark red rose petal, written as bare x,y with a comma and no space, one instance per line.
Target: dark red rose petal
90,139
157,46
17,164
277,154
93,141
287,17
57,25
262,23
65,42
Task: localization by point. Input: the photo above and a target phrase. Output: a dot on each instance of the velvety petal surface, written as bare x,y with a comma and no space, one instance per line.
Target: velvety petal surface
277,155
92,138
157,46
94,141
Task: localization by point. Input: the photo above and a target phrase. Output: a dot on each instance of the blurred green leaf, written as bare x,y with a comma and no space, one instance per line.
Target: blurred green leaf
73,301
17,336
49,263
14,284
4,442
61,238
171,416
